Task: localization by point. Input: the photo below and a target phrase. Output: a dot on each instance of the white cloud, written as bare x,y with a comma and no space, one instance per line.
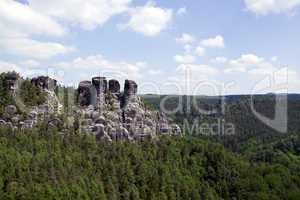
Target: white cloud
181,11
250,63
6,66
88,14
19,19
243,63
219,60
32,48
149,20
185,39
198,69
186,58
29,63
100,64
217,42
265,7
18,22
200,51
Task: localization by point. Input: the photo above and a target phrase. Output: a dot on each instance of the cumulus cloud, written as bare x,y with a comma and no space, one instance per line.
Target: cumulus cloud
186,58
216,42
32,48
19,19
7,66
87,14
241,64
265,7
101,64
149,20
19,22
185,39
200,51
250,63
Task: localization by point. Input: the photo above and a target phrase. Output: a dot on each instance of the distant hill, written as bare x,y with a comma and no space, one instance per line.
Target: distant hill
237,111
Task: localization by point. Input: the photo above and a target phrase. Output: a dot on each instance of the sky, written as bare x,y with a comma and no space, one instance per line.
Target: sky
200,47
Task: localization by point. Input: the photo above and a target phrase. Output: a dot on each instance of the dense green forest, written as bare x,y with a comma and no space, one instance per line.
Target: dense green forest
38,164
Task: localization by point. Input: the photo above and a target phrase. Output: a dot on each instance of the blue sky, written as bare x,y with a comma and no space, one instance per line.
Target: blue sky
175,47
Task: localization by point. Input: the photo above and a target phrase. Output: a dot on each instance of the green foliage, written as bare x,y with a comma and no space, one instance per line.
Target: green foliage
5,96
66,96
31,95
35,165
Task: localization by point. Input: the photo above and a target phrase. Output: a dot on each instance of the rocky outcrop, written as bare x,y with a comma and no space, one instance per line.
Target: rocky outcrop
84,93
45,83
11,79
122,115
33,114
103,111
114,87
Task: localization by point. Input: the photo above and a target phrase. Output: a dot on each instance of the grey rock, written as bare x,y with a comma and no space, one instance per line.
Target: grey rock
11,109
45,82
95,115
114,86
100,83
15,120
2,122
130,87
32,115
55,123
11,79
101,120
84,93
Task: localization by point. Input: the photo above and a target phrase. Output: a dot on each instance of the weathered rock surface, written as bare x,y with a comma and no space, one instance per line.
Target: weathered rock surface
104,111
45,82
122,116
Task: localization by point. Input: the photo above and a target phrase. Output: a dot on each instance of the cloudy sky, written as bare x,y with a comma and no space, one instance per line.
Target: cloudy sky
172,47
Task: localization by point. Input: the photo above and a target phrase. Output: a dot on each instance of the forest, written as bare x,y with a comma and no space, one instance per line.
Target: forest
38,164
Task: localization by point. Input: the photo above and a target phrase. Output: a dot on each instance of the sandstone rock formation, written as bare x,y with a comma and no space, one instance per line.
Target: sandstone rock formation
103,111
119,115
14,118
45,82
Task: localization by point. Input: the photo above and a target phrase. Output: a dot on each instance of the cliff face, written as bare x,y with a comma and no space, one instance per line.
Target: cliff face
114,115
103,110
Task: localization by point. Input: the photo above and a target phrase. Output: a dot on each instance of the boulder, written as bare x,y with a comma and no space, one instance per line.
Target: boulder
11,110
32,115
2,122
